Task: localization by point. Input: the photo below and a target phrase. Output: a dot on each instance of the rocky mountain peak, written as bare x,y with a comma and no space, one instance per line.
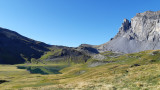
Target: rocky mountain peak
141,33
149,14
125,25
146,25
124,28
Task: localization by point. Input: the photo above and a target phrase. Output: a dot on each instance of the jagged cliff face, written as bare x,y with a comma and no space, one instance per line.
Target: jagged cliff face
139,34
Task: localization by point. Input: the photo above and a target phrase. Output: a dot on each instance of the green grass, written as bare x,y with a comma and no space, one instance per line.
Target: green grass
122,73
55,52
107,53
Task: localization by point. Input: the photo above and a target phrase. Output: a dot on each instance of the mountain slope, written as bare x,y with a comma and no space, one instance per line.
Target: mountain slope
15,48
139,34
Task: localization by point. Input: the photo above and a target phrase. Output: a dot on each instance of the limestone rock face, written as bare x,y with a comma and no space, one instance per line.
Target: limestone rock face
139,34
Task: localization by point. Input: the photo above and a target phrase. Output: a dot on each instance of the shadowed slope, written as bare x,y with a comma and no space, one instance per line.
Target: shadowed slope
15,48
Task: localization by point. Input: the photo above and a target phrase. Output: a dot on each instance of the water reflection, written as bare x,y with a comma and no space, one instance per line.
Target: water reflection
43,69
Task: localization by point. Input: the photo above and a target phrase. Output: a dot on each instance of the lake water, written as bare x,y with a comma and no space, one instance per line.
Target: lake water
43,69
3,81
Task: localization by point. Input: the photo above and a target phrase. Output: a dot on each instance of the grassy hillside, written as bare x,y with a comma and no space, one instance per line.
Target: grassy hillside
129,72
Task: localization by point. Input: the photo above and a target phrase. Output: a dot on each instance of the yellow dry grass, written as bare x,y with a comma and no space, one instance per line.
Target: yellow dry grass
114,76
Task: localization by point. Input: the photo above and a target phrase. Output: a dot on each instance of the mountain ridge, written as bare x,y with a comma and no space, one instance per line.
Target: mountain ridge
17,49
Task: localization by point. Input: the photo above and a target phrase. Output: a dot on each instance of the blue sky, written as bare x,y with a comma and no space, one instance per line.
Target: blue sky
70,22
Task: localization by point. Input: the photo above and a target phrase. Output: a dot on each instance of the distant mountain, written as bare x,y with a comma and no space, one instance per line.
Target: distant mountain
139,34
15,48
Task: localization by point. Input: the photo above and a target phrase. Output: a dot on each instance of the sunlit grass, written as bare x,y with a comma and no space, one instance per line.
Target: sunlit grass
123,73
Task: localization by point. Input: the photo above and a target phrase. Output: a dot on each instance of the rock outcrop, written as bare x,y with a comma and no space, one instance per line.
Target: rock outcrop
139,34
87,49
